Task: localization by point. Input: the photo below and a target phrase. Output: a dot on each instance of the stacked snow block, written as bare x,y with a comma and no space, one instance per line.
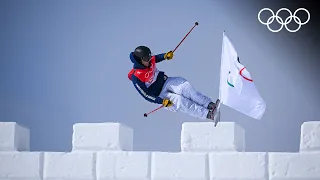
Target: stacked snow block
209,166
16,162
14,137
69,165
179,165
102,136
222,148
100,151
97,165
204,137
123,165
289,166
104,151
302,165
310,136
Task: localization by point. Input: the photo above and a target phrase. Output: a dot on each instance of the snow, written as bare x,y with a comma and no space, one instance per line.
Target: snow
310,136
102,136
123,165
238,165
294,166
104,151
203,136
14,137
21,165
179,165
69,166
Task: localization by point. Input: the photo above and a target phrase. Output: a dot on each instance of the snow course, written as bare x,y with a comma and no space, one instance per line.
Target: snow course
105,151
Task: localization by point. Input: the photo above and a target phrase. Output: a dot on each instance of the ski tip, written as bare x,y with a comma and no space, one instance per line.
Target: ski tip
217,118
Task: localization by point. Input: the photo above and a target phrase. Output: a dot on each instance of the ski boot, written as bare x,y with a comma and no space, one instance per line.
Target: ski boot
213,113
210,115
212,106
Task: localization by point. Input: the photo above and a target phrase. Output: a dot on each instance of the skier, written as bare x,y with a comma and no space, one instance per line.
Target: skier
174,93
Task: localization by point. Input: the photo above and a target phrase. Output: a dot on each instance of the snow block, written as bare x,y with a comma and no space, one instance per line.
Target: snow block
102,136
121,165
203,136
179,165
310,136
21,165
69,166
238,166
14,137
294,166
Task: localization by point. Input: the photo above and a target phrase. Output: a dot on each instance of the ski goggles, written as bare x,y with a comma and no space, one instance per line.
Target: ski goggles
146,59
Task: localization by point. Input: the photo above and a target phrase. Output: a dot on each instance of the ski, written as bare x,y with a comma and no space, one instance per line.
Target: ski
216,113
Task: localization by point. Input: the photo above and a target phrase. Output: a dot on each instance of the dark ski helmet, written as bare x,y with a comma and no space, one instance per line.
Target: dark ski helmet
143,53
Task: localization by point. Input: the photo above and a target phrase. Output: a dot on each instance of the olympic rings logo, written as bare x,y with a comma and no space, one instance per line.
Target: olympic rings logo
280,20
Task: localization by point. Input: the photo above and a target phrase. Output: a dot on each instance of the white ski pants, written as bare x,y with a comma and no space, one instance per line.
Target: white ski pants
185,98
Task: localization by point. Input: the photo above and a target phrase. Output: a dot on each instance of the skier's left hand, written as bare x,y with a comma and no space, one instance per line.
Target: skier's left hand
168,55
167,103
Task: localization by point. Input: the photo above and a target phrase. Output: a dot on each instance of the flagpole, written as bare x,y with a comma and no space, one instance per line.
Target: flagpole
221,61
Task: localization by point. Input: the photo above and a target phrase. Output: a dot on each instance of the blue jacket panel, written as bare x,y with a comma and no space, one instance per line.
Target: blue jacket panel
151,94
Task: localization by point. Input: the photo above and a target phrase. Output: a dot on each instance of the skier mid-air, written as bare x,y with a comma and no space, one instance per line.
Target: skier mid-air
174,93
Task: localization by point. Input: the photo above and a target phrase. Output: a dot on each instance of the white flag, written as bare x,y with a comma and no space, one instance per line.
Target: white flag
237,89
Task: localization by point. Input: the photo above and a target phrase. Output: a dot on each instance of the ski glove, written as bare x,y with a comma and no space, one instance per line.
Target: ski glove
168,55
166,103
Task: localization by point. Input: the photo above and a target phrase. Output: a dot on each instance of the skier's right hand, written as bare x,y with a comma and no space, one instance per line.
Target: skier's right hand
168,55
167,103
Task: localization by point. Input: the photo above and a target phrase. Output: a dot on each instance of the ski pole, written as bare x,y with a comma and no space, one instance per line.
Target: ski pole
146,114
195,24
